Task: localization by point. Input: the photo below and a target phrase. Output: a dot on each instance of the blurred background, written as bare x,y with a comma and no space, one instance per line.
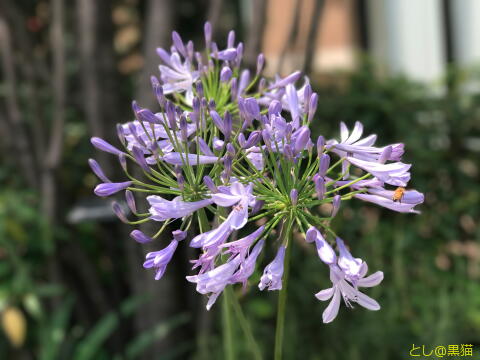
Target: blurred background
72,284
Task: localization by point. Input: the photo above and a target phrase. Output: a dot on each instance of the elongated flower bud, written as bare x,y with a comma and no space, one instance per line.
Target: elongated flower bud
253,139
107,189
275,108
157,90
179,235
131,201
102,145
217,120
233,89
319,187
122,159
262,85
95,166
171,116
260,63
323,165
199,87
134,133
225,74
320,144
140,237
294,196
290,79
301,141
312,106
336,205
207,29
231,39
227,125
148,116
241,140
117,209
140,158
307,92
207,180
251,105
183,128
178,43
121,134
230,149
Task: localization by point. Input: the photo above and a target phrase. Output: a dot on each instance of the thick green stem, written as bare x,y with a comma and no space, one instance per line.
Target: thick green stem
228,342
282,298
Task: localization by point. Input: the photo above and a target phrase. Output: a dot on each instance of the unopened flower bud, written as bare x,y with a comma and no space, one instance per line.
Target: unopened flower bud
121,134
275,108
199,87
260,63
294,196
207,180
95,166
123,161
303,136
319,186
323,165
320,144
140,237
253,139
241,139
131,201
307,92
179,235
225,74
102,145
140,158
312,106
117,209
336,205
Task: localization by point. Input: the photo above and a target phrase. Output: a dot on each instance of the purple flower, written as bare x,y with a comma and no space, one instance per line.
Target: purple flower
352,145
351,267
247,267
161,209
107,189
214,237
177,76
272,275
160,259
383,197
214,281
396,173
349,294
242,245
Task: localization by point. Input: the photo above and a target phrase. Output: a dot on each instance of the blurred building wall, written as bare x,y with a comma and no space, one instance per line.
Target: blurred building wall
416,38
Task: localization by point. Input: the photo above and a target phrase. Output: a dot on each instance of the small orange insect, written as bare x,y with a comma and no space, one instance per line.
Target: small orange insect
398,194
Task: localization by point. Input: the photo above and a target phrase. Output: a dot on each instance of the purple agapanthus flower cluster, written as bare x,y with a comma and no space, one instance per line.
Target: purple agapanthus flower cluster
228,147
